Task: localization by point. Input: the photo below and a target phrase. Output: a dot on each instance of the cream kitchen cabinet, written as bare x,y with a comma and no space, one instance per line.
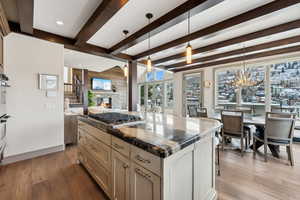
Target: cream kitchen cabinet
120,177
145,185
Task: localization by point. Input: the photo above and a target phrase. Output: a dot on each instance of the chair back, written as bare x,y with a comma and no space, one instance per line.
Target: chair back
192,111
202,112
279,126
232,121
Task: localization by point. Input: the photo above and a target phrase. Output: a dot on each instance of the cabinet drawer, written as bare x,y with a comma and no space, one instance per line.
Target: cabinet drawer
100,135
98,172
101,152
120,146
146,160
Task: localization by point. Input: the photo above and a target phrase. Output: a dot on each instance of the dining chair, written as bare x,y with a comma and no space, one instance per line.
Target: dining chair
202,112
233,127
192,110
279,130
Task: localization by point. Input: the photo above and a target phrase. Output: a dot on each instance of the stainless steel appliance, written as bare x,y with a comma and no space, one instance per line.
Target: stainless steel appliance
3,114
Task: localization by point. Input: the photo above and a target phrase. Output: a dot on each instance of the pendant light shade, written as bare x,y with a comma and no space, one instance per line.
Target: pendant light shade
189,47
188,54
149,64
125,66
125,70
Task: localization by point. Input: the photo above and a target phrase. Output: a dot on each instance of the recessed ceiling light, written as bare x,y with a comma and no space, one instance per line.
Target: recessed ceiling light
59,23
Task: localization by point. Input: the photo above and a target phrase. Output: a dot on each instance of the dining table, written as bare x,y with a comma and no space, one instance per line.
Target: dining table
259,122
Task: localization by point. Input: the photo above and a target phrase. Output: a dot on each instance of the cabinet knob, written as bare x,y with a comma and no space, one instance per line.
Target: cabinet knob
125,166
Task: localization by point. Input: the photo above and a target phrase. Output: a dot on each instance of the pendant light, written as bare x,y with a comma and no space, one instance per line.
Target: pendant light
244,78
149,62
189,47
125,66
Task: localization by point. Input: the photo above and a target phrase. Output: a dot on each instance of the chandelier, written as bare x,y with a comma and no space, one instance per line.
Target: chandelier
244,78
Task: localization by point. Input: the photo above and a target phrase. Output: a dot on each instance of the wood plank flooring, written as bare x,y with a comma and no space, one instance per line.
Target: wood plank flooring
58,177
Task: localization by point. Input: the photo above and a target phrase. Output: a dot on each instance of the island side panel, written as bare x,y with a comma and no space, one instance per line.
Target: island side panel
204,169
178,175
190,173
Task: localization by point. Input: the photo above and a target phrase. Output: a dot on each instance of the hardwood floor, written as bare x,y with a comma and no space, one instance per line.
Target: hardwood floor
58,177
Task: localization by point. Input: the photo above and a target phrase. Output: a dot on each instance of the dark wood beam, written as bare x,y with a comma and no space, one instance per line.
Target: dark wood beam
105,11
236,52
69,43
242,58
258,34
175,16
132,86
5,30
239,19
25,12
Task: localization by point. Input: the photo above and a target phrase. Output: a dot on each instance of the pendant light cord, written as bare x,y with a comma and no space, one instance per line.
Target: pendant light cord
149,35
189,23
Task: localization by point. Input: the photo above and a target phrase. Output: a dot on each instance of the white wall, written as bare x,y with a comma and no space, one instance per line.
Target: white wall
37,121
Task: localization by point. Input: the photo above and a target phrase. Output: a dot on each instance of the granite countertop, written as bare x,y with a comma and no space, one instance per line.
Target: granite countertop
161,134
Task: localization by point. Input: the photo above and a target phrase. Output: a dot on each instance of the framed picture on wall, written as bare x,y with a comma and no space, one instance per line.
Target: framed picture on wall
48,82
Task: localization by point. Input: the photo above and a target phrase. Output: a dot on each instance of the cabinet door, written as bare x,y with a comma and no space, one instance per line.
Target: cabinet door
121,173
144,185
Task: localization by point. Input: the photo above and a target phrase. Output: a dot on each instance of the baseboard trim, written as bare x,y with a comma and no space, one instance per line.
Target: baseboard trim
32,154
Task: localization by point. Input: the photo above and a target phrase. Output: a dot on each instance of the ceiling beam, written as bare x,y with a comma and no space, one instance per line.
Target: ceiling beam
236,52
105,11
175,16
247,16
5,30
25,12
255,35
69,43
242,58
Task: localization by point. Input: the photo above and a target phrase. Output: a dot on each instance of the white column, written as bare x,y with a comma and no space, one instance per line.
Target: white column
268,98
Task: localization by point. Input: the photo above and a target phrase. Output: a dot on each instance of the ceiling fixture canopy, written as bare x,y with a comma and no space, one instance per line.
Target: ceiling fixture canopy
125,32
149,16
189,47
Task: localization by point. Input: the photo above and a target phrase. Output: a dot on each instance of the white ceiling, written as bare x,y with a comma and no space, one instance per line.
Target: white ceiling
131,17
276,18
80,60
213,15
74,14
261,40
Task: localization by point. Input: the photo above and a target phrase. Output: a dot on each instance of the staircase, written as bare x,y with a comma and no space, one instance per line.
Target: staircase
73,93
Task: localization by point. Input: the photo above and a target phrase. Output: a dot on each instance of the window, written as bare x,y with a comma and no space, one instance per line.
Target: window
226,93
155,98
155,75
285,84
159,75
192,91
150,76
255,94
169,94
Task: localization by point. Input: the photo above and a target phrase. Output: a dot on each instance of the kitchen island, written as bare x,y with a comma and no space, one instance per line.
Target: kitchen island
153,156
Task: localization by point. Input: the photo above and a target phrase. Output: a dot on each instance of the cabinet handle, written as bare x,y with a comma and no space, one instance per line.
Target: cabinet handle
141,159
118,146
142,173
125,166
